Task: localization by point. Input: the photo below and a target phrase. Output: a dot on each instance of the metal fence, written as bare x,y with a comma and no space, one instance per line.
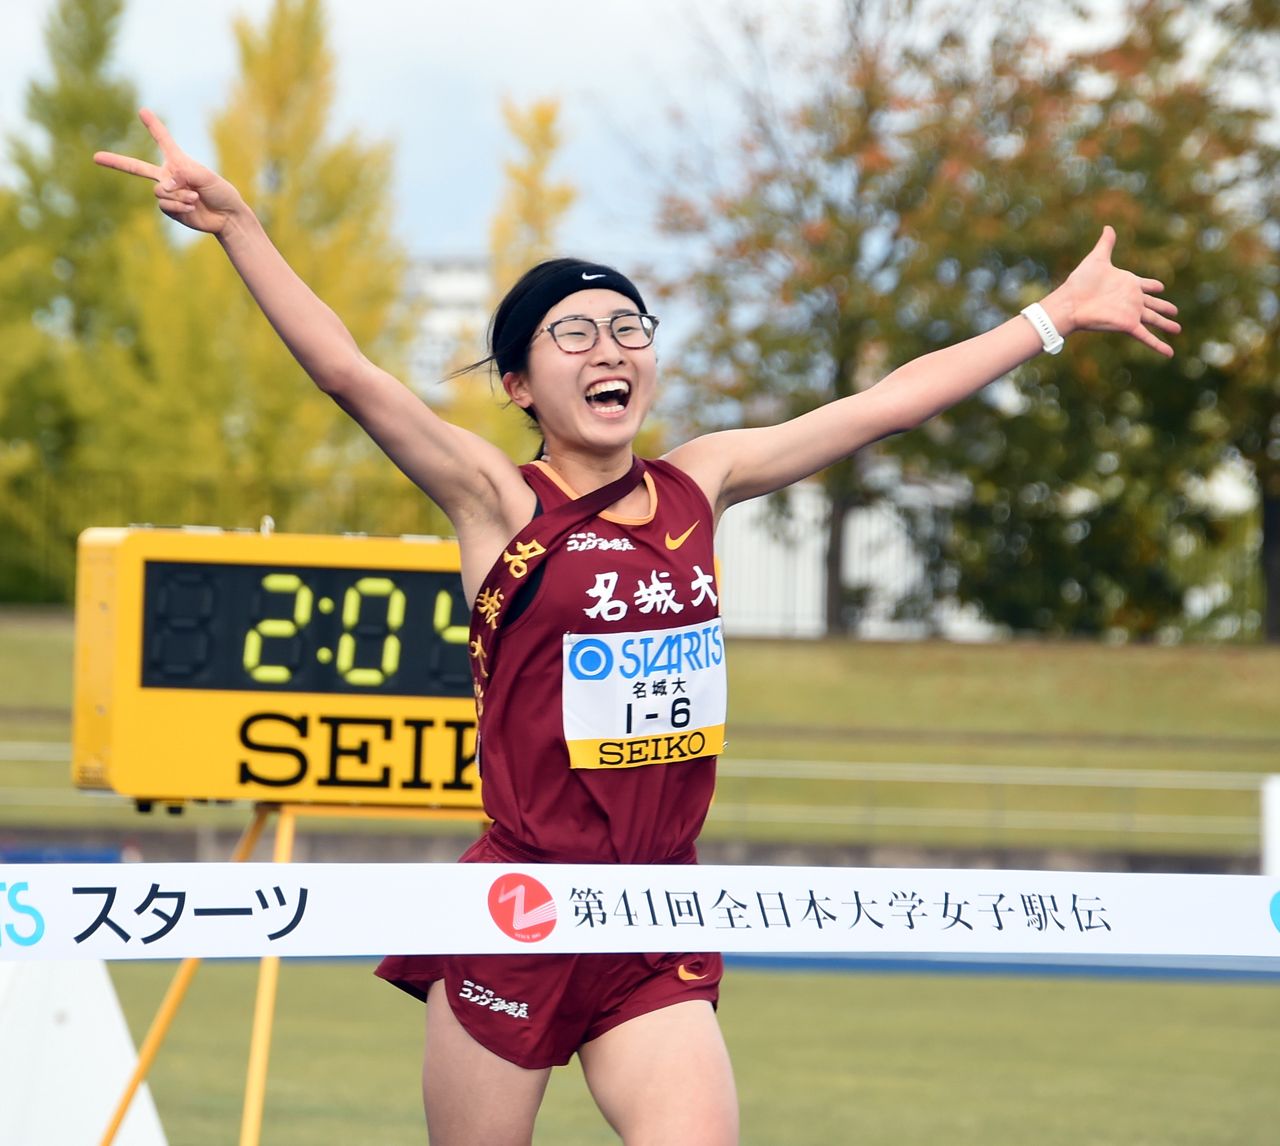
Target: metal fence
1114,807
773,572
1120,809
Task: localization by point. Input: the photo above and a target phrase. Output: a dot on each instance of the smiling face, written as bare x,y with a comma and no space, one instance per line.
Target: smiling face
595,399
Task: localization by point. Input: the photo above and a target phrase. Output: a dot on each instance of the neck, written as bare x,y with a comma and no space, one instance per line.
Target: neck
587,472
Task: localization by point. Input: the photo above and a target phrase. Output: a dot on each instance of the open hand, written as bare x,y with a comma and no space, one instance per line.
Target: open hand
186,190
1100,296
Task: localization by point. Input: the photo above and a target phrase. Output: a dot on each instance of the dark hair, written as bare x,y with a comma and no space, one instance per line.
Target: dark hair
515,322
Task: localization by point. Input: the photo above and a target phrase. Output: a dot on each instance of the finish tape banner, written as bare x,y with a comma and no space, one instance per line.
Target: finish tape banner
221,910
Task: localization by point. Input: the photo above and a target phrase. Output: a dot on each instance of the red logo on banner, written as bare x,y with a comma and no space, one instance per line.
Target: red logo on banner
522,908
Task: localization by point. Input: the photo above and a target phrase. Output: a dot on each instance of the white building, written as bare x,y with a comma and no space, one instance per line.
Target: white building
773,575
454,292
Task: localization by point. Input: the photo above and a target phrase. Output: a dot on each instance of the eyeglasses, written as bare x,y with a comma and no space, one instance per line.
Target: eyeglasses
577,334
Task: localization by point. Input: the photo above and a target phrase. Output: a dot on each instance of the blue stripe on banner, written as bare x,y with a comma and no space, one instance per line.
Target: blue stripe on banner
1237,968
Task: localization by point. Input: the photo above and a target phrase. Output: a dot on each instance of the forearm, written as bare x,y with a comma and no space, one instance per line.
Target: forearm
314,334
740,464
926,386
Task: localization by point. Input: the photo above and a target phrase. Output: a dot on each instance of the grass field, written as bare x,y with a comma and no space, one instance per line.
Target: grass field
821,1059
1008,707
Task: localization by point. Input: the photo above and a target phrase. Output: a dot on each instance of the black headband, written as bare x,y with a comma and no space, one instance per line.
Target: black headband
519,325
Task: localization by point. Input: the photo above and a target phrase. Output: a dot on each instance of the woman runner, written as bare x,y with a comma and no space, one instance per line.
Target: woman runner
562,594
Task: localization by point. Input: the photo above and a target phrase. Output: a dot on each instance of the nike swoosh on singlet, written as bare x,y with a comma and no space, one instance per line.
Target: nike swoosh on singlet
688,976
676,542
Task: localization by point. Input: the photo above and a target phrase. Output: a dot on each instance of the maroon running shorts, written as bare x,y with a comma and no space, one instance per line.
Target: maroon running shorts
537,1010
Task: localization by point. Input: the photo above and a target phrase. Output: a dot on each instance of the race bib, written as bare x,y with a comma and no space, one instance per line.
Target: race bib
632,699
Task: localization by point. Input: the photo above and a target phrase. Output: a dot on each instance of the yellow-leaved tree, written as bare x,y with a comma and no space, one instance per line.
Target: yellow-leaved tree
523,232
225,412
324,201
59,302
533,205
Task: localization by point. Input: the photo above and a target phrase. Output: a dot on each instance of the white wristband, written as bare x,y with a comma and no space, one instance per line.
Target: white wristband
1036,315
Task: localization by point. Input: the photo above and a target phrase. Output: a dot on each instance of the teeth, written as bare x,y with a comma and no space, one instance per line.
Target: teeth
612,386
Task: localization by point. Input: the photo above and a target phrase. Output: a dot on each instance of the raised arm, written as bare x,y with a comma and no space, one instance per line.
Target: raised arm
735,465
467,476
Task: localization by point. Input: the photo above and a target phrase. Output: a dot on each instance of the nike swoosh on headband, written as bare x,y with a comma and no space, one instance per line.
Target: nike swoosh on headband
587,278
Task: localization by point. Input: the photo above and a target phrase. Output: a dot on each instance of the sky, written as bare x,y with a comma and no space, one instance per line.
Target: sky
430,75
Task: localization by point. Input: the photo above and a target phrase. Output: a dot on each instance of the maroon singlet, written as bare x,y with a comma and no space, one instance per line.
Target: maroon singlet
649,584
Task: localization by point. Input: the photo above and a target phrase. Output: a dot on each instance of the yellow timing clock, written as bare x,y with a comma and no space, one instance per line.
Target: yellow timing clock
237,665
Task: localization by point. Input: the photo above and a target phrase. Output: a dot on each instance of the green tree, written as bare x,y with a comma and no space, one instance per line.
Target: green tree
26,349
1084,477
143,382
809,256
63,208
58,238
1249,69
930,189
222,405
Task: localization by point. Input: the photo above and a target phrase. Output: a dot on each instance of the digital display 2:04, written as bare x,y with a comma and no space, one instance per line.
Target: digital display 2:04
325,629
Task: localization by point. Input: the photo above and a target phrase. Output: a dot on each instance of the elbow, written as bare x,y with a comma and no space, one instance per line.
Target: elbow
898,418
341,376
886,410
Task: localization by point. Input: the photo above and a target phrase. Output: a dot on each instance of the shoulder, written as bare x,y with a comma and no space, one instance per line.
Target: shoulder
668,474
704,461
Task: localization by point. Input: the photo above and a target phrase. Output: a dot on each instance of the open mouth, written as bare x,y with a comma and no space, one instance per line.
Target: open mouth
610,396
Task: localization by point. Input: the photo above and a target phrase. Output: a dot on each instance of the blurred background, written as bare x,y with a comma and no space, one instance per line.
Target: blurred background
809,202
1042,630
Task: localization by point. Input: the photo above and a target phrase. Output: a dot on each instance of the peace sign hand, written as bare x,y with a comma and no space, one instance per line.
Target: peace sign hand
185,190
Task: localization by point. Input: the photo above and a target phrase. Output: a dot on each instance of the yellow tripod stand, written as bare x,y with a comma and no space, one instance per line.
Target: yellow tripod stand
268,967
